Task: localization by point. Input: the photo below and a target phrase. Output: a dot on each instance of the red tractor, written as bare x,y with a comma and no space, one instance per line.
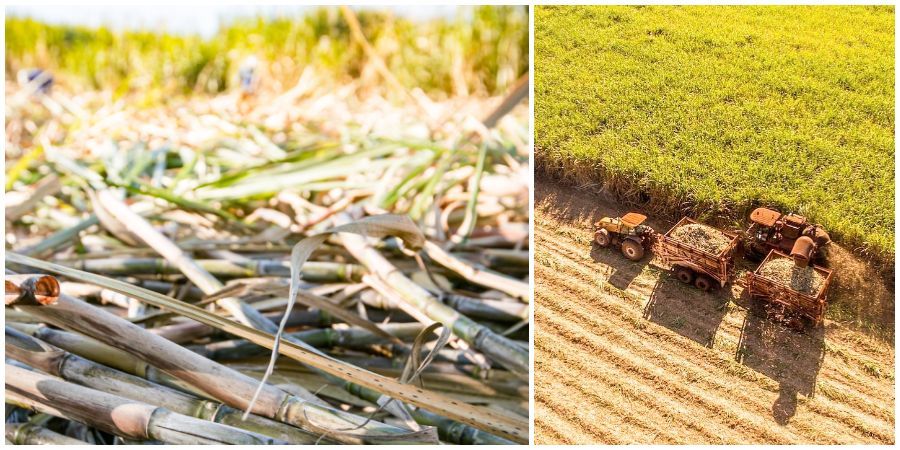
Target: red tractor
789,233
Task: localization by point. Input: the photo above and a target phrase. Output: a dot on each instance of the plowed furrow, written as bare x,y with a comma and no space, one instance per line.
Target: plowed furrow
865,427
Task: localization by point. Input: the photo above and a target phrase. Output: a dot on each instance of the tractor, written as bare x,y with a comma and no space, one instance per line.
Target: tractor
627,232
789,233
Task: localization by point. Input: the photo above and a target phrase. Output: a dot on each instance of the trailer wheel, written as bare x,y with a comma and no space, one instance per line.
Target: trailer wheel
684,275
703,283
601,237
632,250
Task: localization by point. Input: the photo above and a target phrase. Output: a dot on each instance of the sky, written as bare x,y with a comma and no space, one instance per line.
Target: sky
188,19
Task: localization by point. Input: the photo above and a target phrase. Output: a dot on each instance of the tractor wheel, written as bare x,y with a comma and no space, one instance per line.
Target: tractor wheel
601,237
632,250
684,275
703,283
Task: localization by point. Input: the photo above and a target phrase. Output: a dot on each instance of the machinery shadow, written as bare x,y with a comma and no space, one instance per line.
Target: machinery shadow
791,358
687,311
623,270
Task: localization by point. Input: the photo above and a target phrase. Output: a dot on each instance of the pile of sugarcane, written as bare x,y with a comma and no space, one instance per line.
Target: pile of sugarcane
703,237
785,271
316,266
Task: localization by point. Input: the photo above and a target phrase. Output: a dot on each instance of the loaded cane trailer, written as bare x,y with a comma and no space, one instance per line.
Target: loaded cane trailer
694,265
793,291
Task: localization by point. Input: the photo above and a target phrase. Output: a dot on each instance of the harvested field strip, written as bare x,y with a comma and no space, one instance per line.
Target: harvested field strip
559,428
732,322
595,342
853,395
570,407
713,408
858,379
857,382
684,386
610,398
673,409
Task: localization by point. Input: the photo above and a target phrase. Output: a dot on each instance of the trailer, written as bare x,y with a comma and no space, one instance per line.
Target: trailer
693,265
786,303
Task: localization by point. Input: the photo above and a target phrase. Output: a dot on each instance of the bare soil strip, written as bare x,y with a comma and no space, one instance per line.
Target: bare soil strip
626,354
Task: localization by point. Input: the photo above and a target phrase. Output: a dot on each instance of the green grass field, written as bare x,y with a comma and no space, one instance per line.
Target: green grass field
726,108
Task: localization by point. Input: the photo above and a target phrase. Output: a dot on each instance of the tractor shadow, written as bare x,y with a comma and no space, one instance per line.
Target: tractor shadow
687,311
621,271
790,358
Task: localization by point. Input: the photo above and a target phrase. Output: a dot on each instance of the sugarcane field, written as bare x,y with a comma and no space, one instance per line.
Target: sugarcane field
714,225
308,226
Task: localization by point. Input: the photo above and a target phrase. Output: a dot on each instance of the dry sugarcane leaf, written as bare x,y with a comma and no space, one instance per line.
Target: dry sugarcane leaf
373,226
499,423
414,367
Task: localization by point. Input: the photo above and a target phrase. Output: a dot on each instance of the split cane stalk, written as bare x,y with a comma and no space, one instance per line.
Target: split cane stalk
313,271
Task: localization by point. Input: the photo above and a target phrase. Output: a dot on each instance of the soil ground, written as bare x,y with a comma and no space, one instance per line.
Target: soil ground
624,353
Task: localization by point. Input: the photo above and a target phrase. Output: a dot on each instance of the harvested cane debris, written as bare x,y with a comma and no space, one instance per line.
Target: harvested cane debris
784,271
702,237
163,261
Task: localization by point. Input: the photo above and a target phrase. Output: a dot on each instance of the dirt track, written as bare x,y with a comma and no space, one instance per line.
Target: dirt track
626,354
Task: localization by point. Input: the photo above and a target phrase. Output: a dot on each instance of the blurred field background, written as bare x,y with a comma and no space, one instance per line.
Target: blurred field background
476,51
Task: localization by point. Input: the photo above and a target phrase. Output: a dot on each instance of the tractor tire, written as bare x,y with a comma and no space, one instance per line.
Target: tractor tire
601,237
703,283
633,250
684,275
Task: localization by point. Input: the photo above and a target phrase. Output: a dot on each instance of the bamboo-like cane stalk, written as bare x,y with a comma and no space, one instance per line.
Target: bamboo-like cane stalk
510,311
313,271
107,355
168,250
322,338
481,276
225,384
29,434
448,430
118,415
59,238
514,428
75,369
498,348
